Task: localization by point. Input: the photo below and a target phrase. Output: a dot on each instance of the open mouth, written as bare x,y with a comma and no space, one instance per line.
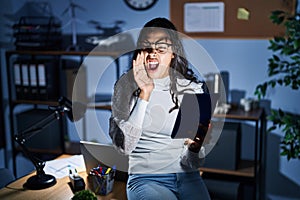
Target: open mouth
152,64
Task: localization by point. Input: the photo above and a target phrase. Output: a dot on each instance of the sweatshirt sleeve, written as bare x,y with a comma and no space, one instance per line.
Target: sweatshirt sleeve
137,115
127,116
193,160
132,128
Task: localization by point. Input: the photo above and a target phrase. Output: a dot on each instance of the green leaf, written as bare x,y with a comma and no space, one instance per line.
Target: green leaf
277,12
277,17
287,120
273,83
287,80
272,128
297,44
84,194
276,58
295,85
280,112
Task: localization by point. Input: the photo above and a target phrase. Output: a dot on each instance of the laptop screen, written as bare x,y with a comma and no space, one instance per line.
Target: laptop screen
95,154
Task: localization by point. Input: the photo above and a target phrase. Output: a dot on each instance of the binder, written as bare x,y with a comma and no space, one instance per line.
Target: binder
41,81
36,80
25,80
18,80
33,81
48,80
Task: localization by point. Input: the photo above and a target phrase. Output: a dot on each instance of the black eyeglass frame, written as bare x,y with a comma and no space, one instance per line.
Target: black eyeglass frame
148,48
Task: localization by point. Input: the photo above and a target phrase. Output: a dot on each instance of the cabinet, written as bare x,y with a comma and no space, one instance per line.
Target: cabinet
247,171
39,101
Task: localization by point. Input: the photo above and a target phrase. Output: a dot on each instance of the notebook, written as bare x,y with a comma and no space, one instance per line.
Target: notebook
194,109
105,155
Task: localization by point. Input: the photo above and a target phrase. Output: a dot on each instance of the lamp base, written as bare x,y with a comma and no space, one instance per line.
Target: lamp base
38,182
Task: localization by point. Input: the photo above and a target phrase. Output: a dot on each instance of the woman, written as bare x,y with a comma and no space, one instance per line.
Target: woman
144,111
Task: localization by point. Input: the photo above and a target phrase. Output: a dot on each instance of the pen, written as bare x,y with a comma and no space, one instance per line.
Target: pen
96,172
76,174
108,170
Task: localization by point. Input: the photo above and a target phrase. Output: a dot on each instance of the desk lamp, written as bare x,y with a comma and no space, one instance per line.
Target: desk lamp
41,180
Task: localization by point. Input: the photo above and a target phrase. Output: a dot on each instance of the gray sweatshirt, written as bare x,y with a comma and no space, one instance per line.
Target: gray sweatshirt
142,129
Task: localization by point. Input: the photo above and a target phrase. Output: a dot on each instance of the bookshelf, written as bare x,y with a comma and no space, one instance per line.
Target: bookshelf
55,68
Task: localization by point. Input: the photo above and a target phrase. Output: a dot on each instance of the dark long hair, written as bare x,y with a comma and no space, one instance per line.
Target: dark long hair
179,64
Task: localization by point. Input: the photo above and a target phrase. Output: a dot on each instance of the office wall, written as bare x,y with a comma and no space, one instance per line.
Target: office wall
246,60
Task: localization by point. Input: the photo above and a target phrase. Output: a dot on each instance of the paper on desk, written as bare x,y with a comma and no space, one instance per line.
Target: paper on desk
60,167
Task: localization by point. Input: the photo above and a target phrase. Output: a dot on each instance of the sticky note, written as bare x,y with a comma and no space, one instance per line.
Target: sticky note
243,14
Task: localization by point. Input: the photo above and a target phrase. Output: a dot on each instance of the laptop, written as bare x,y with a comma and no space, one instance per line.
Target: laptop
194,109
95,154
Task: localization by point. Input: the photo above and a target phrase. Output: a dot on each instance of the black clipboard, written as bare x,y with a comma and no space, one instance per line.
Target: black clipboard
194,114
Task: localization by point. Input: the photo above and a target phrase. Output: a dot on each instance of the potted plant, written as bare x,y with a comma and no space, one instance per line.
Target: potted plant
284,70
84,195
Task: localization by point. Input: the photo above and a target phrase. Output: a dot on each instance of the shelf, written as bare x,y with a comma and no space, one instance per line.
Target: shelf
40,151
245,169
114,54
101,106
240,114
38,102
71,148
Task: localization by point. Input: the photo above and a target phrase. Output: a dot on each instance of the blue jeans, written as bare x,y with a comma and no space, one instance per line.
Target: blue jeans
183,186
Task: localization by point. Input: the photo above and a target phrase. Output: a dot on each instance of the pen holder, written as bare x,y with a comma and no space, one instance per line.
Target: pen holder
101,184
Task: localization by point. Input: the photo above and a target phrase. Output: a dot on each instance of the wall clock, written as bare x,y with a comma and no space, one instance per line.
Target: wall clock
140,4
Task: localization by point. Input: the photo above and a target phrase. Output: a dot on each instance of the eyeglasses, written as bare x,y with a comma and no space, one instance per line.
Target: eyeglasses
160,47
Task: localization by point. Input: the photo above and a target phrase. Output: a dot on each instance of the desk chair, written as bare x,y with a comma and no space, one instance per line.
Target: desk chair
6,176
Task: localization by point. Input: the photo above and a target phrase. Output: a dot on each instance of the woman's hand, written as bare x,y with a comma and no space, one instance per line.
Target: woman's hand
141,77
193,145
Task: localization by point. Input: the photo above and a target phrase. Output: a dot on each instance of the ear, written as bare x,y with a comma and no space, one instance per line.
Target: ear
173,56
